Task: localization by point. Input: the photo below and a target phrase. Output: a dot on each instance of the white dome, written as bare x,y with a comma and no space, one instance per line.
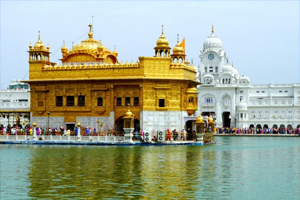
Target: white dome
242,106
208,76
244,79
212,42
236,73
228,69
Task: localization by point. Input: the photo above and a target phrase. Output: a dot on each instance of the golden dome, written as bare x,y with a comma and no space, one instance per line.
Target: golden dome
78,124
34,124
64,49
97,52
128,114
162,40
199,119
178,49
39,44
192,90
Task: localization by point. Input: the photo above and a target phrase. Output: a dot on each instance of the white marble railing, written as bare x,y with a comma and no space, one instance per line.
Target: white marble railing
62,138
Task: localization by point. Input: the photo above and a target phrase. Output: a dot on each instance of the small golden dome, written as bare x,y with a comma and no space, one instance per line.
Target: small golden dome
178,49
78,124
210,119
34,124
39,44
64,49
199,119
192,90
162,40
128,114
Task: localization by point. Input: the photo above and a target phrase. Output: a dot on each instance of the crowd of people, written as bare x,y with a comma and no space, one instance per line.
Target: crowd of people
252,130
170,135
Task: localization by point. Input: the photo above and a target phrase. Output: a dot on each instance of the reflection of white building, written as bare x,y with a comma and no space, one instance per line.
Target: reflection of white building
14,103
234,102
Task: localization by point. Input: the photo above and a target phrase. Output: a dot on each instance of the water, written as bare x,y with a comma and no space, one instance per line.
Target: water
233,168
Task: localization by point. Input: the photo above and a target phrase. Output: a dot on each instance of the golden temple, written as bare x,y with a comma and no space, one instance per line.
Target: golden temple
92,84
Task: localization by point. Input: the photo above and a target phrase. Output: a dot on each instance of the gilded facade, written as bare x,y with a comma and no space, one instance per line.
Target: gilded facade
92,84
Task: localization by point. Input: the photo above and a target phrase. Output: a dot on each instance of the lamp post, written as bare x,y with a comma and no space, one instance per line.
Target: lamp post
78,133
99,125
34,131
48,120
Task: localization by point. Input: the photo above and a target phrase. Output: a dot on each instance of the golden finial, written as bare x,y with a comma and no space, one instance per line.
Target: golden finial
90,33
72,45
39,38
162,29
115,48
177,38
212,29
100,41
90,25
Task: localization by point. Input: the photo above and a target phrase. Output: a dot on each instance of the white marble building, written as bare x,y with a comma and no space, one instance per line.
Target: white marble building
15,103
234,102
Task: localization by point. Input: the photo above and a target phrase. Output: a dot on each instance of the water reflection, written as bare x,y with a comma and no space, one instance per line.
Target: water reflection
234,168
108,172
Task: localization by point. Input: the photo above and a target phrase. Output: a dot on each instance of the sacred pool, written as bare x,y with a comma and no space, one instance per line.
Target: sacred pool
233,168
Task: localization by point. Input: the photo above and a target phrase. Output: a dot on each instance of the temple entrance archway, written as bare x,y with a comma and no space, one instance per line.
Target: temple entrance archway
226,118
189,129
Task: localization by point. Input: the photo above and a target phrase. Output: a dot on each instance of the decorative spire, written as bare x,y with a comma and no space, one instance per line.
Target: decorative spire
115,48
162,29
212,29
91,32
39,38
177,38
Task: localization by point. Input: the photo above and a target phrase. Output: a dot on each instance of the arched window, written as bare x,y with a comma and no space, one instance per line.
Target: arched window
100,101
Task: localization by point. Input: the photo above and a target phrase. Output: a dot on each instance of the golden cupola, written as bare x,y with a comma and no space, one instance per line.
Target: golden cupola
89,50
38,46
178,52
39,52
64,49
162,48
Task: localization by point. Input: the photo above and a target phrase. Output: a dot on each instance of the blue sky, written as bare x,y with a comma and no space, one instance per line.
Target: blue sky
261,38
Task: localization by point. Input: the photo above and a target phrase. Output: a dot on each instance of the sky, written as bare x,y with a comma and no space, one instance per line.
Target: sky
261,38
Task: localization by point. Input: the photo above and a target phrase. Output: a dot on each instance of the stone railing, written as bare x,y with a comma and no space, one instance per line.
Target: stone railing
61,138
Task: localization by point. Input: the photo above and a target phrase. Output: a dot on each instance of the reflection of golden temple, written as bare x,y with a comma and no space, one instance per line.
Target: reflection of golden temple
91,83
